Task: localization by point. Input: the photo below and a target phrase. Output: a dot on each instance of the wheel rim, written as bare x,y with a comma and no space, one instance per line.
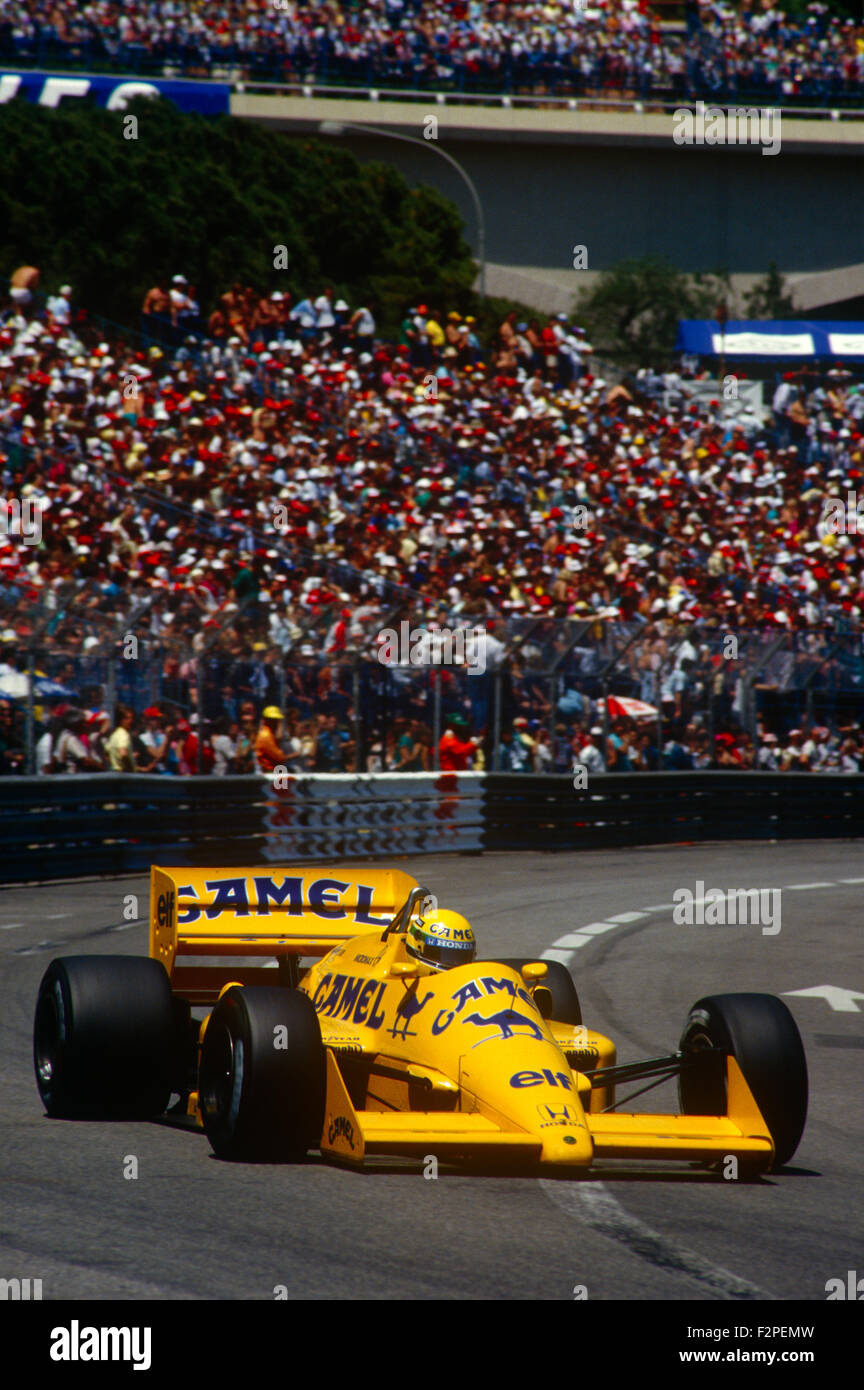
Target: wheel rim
48,1034
221,1078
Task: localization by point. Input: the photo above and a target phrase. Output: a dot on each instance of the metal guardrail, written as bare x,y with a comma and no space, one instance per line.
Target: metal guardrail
68,827
658,104
102,823
654,808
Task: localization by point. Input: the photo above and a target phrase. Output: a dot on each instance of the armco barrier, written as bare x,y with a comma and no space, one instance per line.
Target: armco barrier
61,827
653,808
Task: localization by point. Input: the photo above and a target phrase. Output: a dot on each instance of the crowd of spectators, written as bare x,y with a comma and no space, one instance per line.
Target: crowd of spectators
254,508
619,47
75,740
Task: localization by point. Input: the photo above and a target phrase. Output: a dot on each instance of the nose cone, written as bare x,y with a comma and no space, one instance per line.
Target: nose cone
528,1080
567,1143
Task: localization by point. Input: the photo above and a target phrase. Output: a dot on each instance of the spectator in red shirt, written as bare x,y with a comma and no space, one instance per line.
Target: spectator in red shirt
190,748
453,751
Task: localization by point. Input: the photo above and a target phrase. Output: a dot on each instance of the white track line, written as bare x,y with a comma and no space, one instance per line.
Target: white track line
594,1206
590,1202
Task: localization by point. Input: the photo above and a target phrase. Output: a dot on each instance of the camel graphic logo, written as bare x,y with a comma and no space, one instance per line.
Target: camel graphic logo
507,1020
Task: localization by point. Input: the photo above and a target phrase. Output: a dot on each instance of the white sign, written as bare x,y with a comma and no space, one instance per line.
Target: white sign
847,344
764,344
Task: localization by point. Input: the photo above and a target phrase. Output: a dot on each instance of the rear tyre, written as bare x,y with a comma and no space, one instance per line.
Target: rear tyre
262,1078
557,983
761,1034
104,1037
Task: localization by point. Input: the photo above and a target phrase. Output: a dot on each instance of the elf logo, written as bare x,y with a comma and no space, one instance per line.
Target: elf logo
77,1343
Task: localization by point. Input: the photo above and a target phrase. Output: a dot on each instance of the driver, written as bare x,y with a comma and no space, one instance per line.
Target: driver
441,939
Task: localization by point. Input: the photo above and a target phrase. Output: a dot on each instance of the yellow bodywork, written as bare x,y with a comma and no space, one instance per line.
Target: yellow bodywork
460,1064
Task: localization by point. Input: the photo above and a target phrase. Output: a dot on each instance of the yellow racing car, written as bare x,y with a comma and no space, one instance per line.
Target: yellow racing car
394,1041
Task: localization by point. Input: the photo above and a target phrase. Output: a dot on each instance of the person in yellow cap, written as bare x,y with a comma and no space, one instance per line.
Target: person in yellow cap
268,754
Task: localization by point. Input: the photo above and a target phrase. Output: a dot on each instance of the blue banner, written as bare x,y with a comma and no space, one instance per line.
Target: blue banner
772,338
49,89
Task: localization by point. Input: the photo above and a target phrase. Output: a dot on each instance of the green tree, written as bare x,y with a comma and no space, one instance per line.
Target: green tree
768,299
212,198
633,309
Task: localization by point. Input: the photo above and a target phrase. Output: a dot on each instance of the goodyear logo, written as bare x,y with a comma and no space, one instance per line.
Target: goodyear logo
292,895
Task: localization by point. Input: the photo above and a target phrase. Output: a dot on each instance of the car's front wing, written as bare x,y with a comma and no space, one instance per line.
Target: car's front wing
351,1134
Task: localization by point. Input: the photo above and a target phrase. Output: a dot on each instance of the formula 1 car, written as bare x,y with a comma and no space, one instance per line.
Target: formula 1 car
371,1050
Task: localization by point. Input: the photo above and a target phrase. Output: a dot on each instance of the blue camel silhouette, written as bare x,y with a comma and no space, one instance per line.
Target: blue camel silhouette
506,1021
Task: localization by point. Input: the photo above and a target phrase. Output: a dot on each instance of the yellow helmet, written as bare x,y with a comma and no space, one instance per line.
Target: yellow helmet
441,940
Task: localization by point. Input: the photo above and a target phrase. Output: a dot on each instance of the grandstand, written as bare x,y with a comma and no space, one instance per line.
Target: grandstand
609,538
221,510
622,47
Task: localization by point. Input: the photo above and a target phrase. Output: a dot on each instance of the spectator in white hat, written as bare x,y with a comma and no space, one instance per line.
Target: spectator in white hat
59,306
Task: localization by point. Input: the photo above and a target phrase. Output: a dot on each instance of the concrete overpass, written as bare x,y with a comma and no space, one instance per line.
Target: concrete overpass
612,179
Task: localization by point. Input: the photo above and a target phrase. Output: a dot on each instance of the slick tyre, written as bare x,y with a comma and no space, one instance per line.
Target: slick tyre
761,1034
557,982
104,1037
262,1077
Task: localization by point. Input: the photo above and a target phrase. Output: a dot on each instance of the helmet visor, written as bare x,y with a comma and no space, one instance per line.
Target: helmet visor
440,953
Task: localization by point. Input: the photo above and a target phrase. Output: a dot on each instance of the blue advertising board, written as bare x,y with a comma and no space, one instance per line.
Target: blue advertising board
49,89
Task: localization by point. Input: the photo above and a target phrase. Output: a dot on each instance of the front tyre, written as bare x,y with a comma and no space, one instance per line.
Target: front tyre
760,1033
555,995
262,1077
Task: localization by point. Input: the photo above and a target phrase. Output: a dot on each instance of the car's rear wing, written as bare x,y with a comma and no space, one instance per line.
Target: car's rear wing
261,911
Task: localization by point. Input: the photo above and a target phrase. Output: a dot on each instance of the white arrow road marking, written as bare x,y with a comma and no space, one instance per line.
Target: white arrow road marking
592,1204
842,1001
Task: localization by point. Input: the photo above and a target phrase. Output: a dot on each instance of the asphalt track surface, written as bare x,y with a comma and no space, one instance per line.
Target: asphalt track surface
191,1227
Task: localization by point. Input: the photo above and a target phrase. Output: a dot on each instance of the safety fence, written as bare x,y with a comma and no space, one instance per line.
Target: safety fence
78,826
349,711
200,79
